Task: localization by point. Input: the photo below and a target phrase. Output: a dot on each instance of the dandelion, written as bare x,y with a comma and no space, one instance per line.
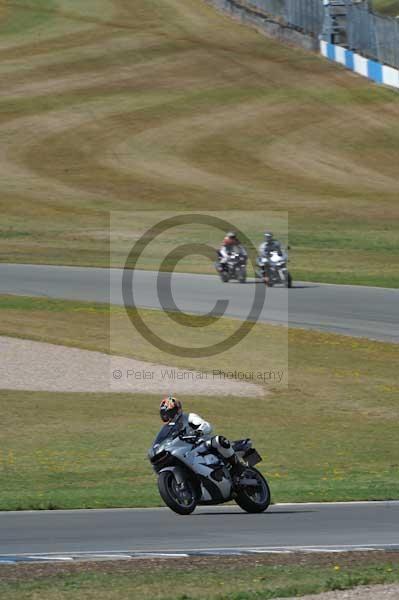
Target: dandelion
337,568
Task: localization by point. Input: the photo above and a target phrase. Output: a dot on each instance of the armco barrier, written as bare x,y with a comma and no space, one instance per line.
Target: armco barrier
359,64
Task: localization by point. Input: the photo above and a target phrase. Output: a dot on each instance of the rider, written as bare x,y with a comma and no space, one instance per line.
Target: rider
269,245
171,412
230,244
265,249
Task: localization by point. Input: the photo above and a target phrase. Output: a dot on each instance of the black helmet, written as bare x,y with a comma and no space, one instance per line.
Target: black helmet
268,237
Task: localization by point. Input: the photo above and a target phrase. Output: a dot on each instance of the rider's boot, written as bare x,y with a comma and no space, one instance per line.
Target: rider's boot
237,467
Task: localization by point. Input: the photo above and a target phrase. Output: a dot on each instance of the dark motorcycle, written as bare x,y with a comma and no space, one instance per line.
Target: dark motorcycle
192,473
234,268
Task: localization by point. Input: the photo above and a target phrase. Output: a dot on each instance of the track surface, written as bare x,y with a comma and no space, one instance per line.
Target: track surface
348,310
209,528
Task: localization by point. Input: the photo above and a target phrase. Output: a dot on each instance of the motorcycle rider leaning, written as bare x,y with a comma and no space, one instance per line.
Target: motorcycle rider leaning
230,244
171,412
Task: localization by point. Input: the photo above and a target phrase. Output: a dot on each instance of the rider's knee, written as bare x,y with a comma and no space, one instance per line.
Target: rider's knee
222,445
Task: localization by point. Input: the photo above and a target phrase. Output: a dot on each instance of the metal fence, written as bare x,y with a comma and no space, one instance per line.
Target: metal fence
307,15
373,35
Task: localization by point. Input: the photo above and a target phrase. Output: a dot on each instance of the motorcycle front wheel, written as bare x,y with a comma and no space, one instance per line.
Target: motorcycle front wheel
224,276
181,501
254,499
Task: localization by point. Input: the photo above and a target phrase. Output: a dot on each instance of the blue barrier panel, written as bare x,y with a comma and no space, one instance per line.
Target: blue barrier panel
349,61
368,68
331,51
374,71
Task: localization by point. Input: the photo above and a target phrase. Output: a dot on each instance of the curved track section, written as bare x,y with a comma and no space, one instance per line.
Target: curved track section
348,310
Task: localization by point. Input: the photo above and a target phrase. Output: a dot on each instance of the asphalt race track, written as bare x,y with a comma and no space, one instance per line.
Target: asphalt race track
289,527
349,310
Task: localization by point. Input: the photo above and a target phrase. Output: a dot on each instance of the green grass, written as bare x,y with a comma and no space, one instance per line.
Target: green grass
171,106
330,435
386,7
211,581
334,255
22,16
89,450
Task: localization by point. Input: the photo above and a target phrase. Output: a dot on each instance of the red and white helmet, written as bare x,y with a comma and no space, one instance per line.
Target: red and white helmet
169,409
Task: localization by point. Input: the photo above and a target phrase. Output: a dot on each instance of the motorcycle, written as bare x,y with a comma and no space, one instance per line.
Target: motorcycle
234,268
190,473
272,269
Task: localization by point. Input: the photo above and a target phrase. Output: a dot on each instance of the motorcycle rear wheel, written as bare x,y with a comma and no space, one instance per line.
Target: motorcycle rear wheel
242,277
251,499
171,495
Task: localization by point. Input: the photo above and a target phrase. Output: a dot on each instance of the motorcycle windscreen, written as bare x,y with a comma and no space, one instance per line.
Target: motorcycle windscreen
168,430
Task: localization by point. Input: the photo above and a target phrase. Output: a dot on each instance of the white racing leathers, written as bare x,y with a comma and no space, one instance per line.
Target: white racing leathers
193,424
265,249
226,251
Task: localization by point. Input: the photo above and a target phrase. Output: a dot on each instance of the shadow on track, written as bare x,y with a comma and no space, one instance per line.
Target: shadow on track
264,514
302,286
305,286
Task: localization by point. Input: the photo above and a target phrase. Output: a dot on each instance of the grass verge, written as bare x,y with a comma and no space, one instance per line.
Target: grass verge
199,579
331,434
